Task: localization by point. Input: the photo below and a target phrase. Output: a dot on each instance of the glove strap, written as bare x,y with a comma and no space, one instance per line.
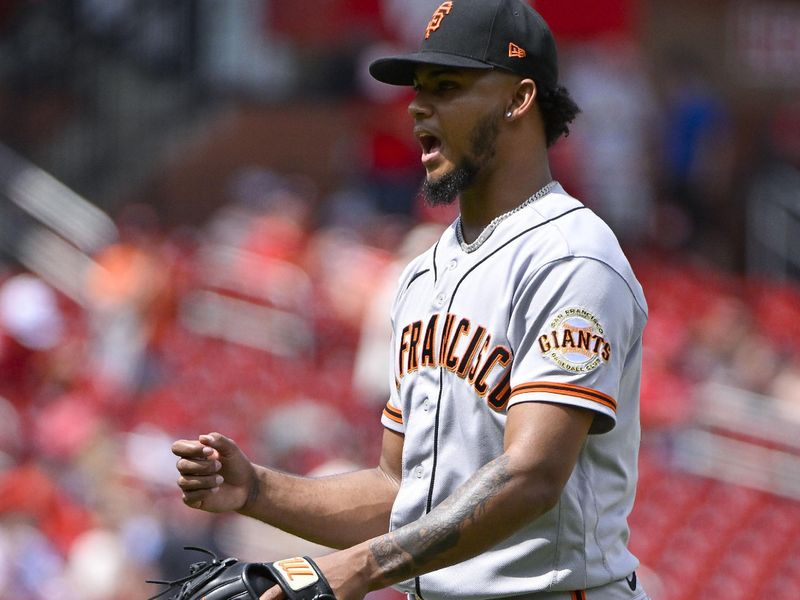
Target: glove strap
301,579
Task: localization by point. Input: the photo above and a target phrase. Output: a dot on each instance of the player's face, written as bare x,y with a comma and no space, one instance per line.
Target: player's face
457,115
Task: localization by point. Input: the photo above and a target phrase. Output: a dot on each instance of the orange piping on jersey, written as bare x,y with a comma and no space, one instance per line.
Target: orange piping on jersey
393,414
577,595
566,389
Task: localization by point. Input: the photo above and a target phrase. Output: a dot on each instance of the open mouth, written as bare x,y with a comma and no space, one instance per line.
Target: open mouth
430,145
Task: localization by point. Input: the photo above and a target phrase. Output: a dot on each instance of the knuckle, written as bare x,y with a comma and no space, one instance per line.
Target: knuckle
187,483
188,467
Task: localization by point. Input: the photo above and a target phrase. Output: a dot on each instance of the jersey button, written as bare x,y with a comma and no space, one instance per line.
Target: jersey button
426,406
418,470
439,301
452,265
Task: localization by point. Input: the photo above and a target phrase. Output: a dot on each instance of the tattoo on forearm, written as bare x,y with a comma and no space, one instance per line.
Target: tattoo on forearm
402,552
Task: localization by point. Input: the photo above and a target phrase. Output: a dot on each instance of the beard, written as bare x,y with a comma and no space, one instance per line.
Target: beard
483,145
448,187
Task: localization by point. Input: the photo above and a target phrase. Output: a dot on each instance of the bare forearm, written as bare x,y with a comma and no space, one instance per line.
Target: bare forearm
493,504
338,511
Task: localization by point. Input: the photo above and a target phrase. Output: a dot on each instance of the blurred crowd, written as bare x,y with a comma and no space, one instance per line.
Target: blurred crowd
269,321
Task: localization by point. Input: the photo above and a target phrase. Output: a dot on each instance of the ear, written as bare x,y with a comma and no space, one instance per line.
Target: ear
523,99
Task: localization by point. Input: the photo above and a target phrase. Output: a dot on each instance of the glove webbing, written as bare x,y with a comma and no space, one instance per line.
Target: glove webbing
199,574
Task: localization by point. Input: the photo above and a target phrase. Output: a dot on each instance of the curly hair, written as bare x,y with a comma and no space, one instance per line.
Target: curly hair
558,110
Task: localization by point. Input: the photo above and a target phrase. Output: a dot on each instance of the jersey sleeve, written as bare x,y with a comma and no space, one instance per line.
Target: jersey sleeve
392,415
572,325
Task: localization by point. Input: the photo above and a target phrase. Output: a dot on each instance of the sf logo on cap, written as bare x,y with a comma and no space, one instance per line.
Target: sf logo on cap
437,18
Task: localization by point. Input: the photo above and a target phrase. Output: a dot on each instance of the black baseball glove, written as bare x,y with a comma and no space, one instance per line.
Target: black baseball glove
231,579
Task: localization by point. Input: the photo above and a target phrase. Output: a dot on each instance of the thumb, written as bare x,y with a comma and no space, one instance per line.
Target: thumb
225,446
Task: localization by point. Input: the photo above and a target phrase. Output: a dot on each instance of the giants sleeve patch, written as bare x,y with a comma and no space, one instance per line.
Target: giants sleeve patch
575,340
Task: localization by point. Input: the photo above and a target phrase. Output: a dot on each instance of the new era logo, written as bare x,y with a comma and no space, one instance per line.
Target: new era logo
515,51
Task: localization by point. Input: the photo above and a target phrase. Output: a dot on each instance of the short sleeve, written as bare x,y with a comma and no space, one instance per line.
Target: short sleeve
392,416
572,326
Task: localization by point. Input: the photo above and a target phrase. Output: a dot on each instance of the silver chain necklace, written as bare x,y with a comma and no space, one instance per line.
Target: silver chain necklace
487,231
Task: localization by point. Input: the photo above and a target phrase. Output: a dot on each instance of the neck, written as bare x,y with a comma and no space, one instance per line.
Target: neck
499,193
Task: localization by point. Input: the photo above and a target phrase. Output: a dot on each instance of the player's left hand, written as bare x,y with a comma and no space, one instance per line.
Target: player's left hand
337,568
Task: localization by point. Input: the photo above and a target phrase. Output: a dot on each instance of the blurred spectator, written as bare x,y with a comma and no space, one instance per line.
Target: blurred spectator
237,51
607,78
696,158
724,346
344,270
31,324
328,37
30,567
29,312
773,208
29,494
393,172
305,434
129,298
96,568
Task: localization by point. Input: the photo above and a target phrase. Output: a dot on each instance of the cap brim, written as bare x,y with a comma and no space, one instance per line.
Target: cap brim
399,70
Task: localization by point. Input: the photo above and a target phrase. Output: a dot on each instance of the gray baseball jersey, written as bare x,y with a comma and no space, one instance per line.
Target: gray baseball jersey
543,307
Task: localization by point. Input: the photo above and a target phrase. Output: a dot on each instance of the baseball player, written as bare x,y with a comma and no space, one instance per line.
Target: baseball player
511,433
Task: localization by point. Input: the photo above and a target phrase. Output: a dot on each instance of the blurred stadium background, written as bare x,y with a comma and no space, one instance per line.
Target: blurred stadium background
203,207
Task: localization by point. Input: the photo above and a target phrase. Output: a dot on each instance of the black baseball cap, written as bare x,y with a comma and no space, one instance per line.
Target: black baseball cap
479,34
